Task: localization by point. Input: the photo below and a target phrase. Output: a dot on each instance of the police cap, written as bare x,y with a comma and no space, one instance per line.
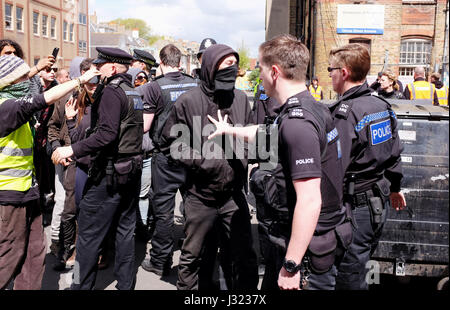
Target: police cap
112,54
204,45
145,57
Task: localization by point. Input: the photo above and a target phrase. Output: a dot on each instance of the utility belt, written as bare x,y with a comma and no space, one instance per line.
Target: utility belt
375,198
118,172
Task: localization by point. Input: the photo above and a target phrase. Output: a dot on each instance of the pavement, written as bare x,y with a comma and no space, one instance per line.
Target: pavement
54,280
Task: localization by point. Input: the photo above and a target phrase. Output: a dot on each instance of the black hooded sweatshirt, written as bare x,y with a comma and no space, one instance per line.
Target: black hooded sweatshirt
210,179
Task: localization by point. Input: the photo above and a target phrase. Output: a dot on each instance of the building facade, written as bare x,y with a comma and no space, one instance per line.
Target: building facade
400,34
41,25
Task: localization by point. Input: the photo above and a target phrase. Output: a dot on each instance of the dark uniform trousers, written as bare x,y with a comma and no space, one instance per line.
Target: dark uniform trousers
100,208
238,260
352,271
167,178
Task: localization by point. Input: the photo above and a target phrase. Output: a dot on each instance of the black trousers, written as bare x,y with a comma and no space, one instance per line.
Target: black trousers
238,257
100,208
352,272
167,179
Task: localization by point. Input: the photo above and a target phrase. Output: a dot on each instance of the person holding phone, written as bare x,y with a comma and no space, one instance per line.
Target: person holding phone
22,239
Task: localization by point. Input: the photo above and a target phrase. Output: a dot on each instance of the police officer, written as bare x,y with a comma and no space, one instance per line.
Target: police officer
420,89
371,158
112,190
207,42
143,60
441,89
316,90
305,189
167,176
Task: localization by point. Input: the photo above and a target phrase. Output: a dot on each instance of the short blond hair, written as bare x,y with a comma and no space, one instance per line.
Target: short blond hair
355,57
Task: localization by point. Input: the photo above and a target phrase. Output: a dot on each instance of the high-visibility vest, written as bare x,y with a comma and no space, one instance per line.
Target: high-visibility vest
316,93
442,94
16,159
422,90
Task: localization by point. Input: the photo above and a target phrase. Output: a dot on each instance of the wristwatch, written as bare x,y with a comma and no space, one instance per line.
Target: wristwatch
291,266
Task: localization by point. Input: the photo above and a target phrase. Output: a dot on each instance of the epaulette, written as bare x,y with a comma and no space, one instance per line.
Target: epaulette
343,109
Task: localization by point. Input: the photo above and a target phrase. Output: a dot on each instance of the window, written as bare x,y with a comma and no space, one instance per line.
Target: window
65,31
36,60
53,27
82,45
413,53
44,25
71,33
19,18
36,23
82,19
8,16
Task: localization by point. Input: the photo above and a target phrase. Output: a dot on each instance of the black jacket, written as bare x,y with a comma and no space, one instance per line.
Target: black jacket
357,115
209,179
395,94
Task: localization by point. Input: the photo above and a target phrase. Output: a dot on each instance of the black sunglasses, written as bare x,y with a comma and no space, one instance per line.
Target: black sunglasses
329,69
48,70
141,78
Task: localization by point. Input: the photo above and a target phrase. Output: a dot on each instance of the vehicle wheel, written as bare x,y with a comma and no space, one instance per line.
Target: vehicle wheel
442,284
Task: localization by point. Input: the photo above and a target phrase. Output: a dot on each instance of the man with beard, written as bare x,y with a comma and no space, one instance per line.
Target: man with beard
214,197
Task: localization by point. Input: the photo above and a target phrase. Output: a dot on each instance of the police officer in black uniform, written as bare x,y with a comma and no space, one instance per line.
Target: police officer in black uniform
309,228
167,176
143,60
371,158
114,142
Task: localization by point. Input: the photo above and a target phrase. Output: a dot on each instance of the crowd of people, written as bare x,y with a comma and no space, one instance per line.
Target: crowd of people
112,142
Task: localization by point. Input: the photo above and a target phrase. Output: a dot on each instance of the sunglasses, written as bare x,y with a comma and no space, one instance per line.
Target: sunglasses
329,69
48,70
139,78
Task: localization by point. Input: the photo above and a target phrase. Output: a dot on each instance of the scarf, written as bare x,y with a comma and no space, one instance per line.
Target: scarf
18,90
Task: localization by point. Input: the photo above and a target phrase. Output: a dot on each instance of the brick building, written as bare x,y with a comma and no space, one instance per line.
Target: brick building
41,25
400,34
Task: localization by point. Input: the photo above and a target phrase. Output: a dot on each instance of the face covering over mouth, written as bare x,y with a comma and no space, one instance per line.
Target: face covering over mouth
225,79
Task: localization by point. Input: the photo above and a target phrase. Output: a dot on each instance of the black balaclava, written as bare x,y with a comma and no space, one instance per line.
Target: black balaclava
211,77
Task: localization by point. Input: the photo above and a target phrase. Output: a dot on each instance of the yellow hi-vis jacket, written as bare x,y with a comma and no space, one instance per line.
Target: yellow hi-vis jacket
422,90
16,159
442,94
316,93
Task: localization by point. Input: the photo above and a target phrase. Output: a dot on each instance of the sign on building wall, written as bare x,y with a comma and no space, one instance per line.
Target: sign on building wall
360,19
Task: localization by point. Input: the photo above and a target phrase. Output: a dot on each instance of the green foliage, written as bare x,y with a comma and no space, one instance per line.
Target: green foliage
253,77
135,23
244,58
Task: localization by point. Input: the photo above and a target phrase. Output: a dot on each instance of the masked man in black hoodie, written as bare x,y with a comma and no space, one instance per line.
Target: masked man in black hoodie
215,180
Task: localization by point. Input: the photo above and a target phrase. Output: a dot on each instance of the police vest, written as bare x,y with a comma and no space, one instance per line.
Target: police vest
316,93
170,91
422,90
272,185
131,123
16,159
442,94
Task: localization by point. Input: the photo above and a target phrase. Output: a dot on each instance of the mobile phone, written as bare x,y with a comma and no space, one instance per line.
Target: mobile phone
55,52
